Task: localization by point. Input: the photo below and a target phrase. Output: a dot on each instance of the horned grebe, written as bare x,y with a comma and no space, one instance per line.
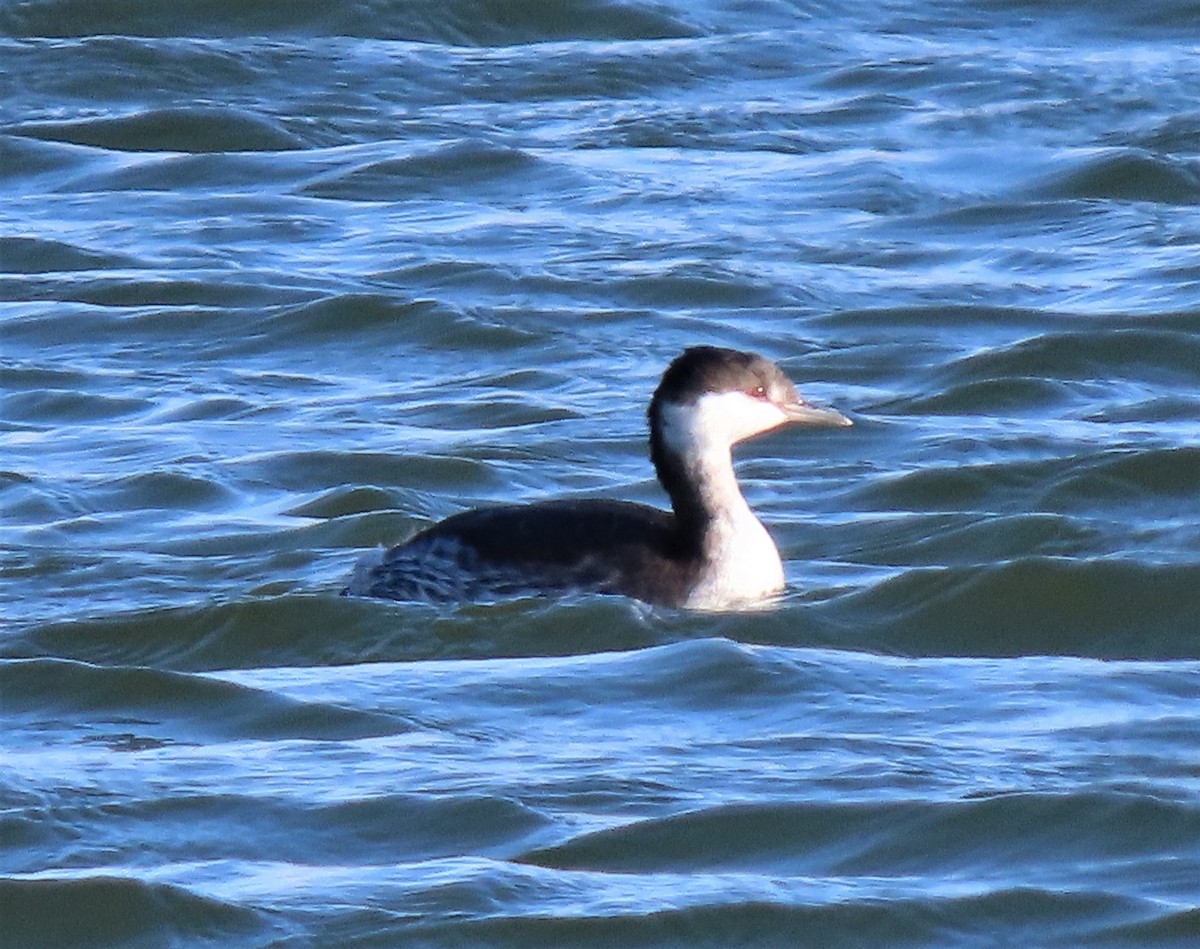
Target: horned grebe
710,552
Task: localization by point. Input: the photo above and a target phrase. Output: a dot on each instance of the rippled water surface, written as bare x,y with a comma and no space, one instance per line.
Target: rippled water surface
281,282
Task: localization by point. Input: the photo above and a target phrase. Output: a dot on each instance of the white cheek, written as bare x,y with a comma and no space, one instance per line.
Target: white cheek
735,415
718,419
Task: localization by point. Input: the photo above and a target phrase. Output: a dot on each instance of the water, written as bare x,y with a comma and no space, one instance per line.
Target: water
281,282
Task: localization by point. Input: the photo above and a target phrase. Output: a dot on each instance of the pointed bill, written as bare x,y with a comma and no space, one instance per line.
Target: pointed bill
805,414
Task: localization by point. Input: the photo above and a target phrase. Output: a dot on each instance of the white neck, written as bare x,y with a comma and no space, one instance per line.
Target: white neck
741,560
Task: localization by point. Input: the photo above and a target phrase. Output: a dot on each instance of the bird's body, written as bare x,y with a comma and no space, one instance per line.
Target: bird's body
709,552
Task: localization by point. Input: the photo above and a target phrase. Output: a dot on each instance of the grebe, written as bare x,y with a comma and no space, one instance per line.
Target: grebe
710,552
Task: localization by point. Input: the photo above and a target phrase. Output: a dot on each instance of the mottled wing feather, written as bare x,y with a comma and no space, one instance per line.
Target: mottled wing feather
554,547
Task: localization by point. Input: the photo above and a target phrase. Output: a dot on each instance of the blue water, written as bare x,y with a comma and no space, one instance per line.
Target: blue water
282,282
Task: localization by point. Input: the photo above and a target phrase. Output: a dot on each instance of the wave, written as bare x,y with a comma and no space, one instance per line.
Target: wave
1014,363
188,826
1112,17
1119,478
1126,175
188,129
147,706
296,630
1027,835
22,160
104,911
33,255
462,22
1142,351
1032,605
452,169
1026,605
64,407
1020,915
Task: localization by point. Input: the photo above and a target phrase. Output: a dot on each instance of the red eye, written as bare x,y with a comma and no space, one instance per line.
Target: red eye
758,392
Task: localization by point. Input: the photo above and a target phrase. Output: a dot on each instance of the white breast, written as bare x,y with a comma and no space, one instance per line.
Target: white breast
743,566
